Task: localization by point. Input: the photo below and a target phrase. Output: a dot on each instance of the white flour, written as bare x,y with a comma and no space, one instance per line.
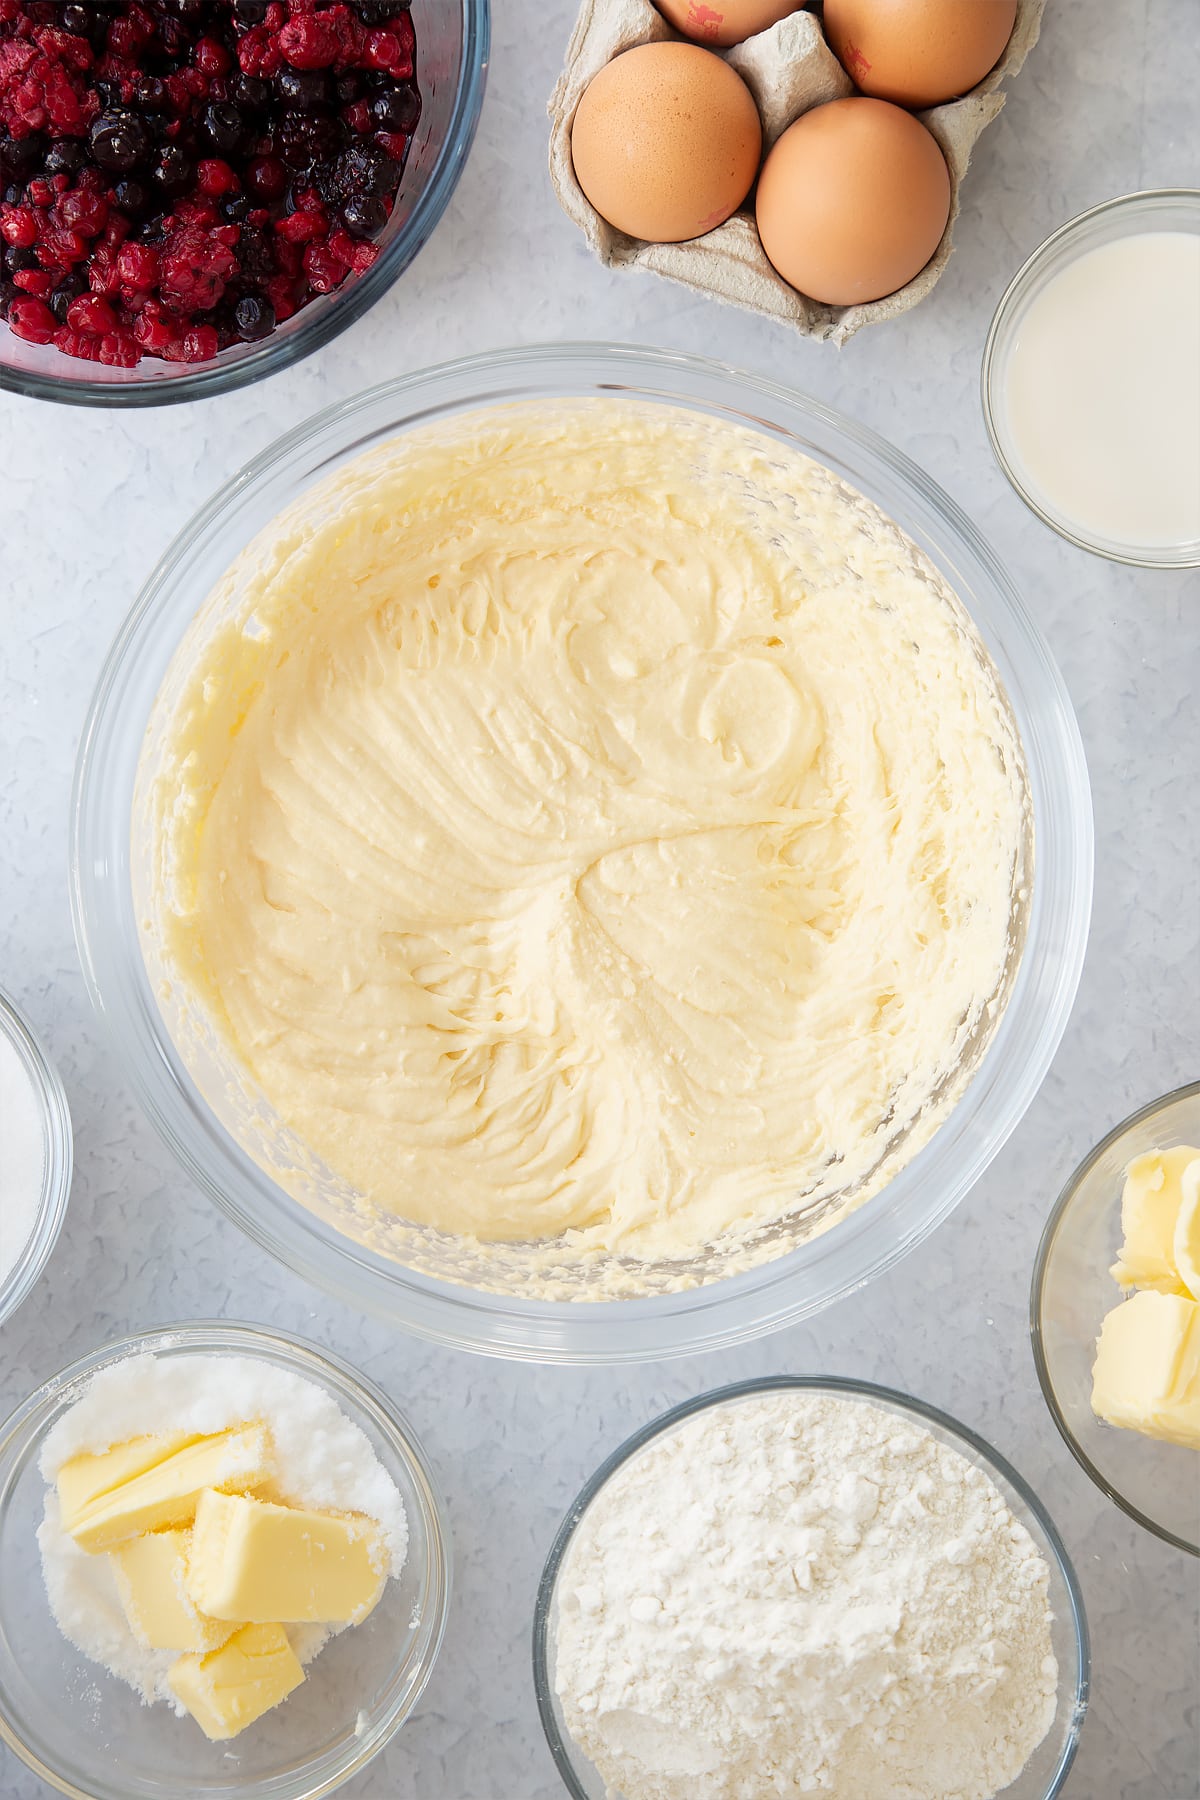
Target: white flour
322,1459
800,1594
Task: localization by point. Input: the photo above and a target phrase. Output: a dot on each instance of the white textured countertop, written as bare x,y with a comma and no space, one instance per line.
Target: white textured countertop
1107,103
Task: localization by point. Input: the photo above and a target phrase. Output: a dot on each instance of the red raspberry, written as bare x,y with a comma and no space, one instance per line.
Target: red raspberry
259,53
308,44
195,270
83,344
39,92
32,320
91,313
119,350
393,144
358,116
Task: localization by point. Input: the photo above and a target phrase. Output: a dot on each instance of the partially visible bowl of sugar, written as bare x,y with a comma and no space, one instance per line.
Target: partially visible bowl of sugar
80,1703
35,1157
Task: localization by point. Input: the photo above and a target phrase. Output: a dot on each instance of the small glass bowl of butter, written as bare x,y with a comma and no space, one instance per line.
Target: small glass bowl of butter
1115,1324
89,1735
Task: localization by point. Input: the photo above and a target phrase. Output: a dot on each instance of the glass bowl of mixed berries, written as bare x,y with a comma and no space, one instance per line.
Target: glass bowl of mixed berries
194,193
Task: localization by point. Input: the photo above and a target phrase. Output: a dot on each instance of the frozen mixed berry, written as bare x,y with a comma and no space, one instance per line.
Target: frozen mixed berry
177,176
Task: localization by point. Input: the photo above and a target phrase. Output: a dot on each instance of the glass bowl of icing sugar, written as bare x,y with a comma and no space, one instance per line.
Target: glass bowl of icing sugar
35,1168
1091,380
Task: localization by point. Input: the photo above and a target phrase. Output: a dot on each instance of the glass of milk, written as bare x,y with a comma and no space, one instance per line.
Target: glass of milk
1091,380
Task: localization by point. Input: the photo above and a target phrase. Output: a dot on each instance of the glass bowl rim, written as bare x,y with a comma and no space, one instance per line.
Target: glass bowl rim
1023,283
28,1422
870,1391
57,1175
740,1306
1062,1206
203,381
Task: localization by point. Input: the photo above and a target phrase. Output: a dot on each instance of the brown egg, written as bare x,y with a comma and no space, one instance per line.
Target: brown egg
725,22
852,201
918,52
666,142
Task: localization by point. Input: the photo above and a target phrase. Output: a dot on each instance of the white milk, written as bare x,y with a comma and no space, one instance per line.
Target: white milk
1103,392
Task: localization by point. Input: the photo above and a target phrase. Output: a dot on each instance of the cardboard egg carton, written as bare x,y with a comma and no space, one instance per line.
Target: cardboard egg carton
789,69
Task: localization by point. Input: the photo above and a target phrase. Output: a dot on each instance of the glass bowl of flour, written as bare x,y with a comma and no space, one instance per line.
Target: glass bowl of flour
809,1585
81,1720
35,1168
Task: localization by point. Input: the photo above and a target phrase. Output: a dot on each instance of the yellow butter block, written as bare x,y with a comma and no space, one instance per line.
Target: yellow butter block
165,1495
229,1688
1146,1376
253,1560
150,1574
1186,1242
1150,1206
86,1477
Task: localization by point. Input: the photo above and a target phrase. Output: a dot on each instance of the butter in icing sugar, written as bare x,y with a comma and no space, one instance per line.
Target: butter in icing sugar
592,826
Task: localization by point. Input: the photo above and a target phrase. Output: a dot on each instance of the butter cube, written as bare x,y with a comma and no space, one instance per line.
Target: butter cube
1150,1206
165,1494
253,1560
1146,1376
229,1688
150,1573
86,1477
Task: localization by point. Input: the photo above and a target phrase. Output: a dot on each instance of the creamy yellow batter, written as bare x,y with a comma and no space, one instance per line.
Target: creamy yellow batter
591,820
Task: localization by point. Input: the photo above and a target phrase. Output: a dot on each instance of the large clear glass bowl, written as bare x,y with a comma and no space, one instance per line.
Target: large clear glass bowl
89,1735
1155,1483
452,57
110,858
57,1158
1046,1771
